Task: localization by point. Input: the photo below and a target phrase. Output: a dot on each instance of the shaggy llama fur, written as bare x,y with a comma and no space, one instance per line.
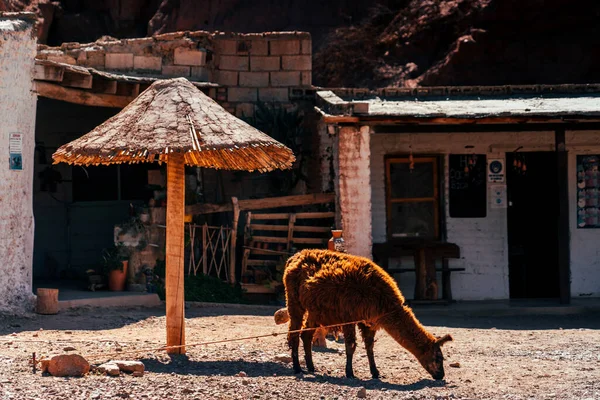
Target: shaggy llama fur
325,287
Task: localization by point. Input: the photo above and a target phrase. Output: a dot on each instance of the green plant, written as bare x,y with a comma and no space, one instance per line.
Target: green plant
201,287
113,258
287,127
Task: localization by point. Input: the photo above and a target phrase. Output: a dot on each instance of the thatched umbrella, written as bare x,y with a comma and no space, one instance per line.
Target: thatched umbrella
174,122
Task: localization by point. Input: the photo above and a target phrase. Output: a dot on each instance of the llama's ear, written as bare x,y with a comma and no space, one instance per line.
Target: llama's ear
444,339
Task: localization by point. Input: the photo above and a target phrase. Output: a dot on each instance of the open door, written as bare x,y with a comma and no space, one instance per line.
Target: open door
532,189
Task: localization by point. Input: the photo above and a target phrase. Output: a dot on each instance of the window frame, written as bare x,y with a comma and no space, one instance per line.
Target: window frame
436,199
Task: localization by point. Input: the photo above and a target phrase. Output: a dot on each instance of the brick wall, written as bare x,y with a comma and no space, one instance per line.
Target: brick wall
353,189
483,243
266,67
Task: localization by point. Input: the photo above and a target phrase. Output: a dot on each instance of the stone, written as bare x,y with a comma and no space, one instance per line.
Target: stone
66,365
284,47
259,47
285,78
296,63
227,78
200,73
245,381
189,57
306,78
176,70
137,374
129,366
147,63
109,368
254,79
455,365
259,64
273,94
121,61
284,358
65,59
69,348
306,46
233,63
226,46
241,95
242,374
362,393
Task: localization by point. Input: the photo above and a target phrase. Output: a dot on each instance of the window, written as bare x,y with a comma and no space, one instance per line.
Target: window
412,197
111,182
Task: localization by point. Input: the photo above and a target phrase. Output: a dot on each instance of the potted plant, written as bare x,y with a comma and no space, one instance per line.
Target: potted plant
116,261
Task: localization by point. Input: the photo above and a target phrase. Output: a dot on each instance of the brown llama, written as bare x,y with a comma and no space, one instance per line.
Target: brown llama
333,288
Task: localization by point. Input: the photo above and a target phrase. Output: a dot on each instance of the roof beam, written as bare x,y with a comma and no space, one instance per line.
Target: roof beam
83,97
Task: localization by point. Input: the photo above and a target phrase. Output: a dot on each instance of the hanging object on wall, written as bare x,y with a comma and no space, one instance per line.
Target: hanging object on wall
519,163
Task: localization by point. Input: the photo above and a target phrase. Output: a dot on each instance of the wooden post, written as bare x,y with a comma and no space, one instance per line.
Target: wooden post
564,246
47,301
236,217
175,253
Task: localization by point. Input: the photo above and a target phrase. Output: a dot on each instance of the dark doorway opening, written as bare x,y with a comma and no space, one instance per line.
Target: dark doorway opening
533,208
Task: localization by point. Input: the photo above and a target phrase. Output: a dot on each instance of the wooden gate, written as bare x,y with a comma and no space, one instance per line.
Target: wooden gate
210,250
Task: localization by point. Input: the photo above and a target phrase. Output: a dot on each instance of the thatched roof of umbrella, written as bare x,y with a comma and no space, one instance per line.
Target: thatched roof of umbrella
174,116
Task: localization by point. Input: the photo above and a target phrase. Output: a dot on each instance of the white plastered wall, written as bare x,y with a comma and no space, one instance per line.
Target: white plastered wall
482,241
17,114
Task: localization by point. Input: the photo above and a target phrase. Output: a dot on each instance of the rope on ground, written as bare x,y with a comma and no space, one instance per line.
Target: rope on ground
273,334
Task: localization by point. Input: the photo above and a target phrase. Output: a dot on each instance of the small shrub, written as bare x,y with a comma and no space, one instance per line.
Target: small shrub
202,288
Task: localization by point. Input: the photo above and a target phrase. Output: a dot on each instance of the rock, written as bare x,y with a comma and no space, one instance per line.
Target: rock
455,365
69,348
129,366
109,368
245,381
66,365
137,374
284,358
242,374
362,393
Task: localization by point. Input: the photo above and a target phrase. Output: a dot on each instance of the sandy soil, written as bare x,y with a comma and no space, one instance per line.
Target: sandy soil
529,357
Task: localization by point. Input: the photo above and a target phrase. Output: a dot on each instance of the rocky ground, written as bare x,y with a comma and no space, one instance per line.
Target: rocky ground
528,357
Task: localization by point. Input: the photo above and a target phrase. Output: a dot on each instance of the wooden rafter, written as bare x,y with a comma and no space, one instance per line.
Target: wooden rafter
91,87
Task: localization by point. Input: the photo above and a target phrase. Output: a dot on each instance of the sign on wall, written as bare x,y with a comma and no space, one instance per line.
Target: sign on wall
498,195
588,191
496,171
15,151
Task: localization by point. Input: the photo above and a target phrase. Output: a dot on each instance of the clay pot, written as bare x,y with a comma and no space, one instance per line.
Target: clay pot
117,279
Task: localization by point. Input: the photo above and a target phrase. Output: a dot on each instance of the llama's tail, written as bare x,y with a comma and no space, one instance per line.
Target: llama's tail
281,316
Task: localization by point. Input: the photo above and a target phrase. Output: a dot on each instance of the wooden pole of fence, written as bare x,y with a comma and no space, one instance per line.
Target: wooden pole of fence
236,217
174,294
204,249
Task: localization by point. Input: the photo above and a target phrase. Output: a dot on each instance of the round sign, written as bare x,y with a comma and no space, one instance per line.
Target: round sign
495,167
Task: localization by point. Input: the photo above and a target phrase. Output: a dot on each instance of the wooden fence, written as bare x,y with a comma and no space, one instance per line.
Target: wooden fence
210,251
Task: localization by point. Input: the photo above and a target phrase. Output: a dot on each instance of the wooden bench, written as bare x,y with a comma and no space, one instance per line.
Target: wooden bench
425,253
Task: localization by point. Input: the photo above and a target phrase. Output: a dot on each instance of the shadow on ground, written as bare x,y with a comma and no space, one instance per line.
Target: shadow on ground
183,365
88,318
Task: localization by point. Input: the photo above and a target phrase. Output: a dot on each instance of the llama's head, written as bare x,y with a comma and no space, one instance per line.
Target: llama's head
433,359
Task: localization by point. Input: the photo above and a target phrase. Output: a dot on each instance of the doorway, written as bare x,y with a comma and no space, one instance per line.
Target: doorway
533,208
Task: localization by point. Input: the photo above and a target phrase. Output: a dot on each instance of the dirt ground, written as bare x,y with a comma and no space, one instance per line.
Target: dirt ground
526,357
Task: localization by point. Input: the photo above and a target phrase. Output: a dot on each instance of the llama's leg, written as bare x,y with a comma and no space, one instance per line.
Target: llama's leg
296,316
368,336
350,339
307,338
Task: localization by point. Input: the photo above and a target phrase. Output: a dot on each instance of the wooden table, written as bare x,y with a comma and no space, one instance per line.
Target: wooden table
424,253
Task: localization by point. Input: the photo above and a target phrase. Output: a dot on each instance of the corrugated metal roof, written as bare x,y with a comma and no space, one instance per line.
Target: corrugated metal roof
588,105
544,106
